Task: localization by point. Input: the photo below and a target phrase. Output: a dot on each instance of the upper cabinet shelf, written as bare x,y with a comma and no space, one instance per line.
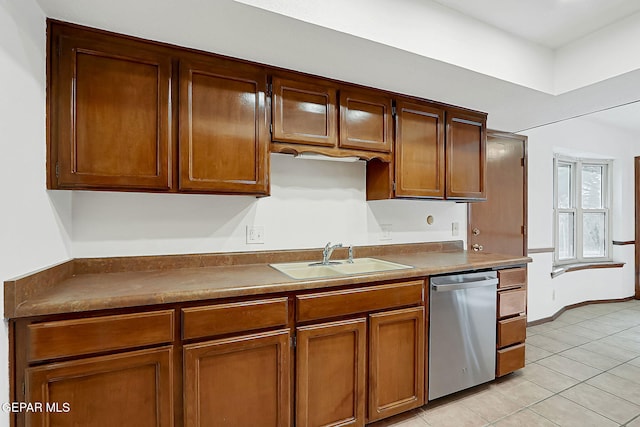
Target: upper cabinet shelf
320,116
127,114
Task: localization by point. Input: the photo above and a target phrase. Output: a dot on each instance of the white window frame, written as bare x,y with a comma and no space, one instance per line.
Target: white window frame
577,209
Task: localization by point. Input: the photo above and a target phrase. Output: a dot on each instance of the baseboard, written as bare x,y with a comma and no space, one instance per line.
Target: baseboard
576,305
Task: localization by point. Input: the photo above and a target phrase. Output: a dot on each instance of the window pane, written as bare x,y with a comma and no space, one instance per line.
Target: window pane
566,236
592,187
593,240
564,185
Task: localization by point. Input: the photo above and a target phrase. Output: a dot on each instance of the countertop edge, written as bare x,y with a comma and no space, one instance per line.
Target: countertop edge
32,305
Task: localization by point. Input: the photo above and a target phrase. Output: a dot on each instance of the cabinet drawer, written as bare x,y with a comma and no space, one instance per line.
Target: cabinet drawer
512,277
360,300
63,338
512,331
509,360
235,317
511,302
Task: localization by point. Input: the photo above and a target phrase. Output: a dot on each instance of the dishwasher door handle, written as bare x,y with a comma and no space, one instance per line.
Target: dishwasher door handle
465,285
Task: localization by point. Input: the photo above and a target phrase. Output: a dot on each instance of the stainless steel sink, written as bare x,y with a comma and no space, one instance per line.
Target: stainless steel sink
307,270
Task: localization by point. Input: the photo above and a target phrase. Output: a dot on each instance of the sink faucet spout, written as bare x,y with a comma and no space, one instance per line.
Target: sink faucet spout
327,251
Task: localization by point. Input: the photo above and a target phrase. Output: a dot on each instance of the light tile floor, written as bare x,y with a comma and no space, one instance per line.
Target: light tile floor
583,369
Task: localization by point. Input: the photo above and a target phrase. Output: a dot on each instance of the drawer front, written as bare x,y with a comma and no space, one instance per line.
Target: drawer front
512,277
511,303
235,317
512,331
360,300
64,338
509,360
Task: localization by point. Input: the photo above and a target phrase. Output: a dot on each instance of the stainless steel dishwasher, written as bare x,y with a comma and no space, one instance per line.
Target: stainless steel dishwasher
462,335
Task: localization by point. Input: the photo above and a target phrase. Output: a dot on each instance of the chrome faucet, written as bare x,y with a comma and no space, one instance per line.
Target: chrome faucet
327,251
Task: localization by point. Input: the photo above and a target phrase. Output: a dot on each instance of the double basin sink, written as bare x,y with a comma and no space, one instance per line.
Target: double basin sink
308,270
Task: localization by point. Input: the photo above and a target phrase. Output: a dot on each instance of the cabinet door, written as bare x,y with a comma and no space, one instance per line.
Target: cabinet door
304,112
330,374
366,122
128,389
111,121
419,151
223,127
466,155
396,362
242,381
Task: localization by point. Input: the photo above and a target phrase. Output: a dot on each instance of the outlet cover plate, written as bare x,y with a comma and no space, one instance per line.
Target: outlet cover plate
255,234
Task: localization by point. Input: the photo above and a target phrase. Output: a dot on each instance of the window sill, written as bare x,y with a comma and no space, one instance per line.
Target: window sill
558,270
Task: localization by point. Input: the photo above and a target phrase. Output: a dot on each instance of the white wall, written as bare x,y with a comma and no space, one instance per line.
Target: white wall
34,227
581,136
598,56
312,202
430,30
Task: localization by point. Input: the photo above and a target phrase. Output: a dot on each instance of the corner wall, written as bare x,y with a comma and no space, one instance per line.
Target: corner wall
586,137
34,226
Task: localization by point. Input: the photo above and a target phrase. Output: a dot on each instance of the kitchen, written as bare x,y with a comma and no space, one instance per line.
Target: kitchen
309,198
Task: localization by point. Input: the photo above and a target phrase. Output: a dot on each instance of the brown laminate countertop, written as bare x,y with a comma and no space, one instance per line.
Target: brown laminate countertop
110,290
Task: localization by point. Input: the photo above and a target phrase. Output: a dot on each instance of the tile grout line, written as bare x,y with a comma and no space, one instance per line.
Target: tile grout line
530,406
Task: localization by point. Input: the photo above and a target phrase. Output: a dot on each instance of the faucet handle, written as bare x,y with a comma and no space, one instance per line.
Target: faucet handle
350,260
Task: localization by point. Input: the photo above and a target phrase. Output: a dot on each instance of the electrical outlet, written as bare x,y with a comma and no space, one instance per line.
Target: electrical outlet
255,234
385,233
455,228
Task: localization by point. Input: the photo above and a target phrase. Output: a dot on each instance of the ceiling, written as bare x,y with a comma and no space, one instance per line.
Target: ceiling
518,39
551,23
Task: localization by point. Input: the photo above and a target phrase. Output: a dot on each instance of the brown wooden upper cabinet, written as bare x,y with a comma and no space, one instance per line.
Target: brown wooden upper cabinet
304,112
311,114
134,115
439,154
111,104
419,150
224,142
466,155
110,120
366,121
418,169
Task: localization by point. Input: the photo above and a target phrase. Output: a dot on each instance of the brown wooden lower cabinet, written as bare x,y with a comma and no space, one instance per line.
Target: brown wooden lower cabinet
512,331
511,327
510,359
396,362
330,373
240,381
126,389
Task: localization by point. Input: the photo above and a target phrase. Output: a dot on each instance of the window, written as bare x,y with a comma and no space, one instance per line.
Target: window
582,198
